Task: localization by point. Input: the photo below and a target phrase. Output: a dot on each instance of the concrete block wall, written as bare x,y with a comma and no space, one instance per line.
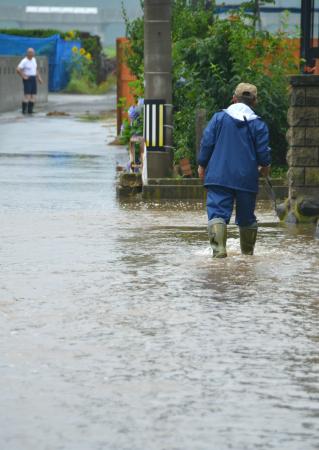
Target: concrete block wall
303,140
303,136
11,88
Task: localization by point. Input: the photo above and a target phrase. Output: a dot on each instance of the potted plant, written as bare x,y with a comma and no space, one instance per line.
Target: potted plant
182,157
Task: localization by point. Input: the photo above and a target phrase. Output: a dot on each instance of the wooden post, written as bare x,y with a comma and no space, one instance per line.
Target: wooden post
200,125
124,76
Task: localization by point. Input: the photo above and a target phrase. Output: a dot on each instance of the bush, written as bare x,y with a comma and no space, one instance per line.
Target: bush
92,45
86,66
211,56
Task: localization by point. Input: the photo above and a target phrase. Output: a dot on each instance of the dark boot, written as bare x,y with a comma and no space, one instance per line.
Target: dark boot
248,236
24,107
30,107
217,233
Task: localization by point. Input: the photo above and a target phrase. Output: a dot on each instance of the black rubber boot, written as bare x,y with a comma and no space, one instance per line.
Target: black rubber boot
248,236
30,107
217,233
24,107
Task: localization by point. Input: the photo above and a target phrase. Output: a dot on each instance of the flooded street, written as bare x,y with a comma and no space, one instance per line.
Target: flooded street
117,329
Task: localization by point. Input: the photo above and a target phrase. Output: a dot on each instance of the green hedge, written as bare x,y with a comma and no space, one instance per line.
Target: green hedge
31,33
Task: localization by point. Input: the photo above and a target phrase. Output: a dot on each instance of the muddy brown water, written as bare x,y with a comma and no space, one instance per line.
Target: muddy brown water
118,330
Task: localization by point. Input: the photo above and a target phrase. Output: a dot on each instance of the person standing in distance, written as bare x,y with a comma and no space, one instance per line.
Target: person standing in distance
28,71
234,150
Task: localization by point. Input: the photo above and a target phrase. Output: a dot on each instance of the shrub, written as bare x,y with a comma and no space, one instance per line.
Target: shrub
82,76
83,86
92,44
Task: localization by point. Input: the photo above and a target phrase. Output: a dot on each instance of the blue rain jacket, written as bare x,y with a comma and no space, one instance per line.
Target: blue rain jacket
230,152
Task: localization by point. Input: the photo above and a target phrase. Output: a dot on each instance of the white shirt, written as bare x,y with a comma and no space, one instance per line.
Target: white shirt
28,67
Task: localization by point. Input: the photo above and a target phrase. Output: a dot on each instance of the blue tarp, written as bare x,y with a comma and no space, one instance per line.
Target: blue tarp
58,51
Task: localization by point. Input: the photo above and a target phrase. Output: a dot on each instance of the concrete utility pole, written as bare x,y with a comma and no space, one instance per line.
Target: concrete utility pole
158,75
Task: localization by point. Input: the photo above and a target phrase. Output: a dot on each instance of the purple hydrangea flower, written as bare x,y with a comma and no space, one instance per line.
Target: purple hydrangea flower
133,113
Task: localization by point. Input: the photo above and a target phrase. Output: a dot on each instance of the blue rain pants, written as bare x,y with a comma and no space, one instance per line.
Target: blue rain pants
220,204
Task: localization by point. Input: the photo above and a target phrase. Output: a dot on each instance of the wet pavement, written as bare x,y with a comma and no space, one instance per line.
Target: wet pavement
117,329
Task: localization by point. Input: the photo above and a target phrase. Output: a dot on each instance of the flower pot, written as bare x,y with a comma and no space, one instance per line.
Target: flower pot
186,168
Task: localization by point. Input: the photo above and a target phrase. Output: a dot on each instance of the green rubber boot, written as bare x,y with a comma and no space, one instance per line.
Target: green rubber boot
248,236
217,233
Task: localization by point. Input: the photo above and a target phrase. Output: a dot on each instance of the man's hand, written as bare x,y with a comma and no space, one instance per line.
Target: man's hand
19,72
201,172
264,171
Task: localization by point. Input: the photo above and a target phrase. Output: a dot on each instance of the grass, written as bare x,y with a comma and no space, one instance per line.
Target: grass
109,51
83,86
97,117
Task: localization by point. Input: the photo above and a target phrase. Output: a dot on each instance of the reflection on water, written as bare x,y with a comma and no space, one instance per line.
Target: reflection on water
119,331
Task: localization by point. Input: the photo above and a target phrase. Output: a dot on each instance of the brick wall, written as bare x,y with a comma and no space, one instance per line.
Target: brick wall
11,88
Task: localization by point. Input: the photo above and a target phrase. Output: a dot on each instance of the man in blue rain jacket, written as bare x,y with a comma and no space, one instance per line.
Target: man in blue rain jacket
234,150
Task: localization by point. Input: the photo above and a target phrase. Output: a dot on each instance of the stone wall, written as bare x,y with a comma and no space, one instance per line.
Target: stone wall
11,88
303,140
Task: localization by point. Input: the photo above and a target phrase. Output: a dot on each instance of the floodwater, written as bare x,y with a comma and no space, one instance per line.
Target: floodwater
118,331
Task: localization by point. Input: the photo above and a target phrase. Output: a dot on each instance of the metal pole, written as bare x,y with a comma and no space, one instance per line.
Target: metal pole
306,29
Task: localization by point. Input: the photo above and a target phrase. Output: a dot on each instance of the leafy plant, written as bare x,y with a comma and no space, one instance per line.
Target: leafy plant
83,76
279,172
133,126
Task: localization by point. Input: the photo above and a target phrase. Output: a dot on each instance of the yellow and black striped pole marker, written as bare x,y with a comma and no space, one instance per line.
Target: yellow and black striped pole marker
154,121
